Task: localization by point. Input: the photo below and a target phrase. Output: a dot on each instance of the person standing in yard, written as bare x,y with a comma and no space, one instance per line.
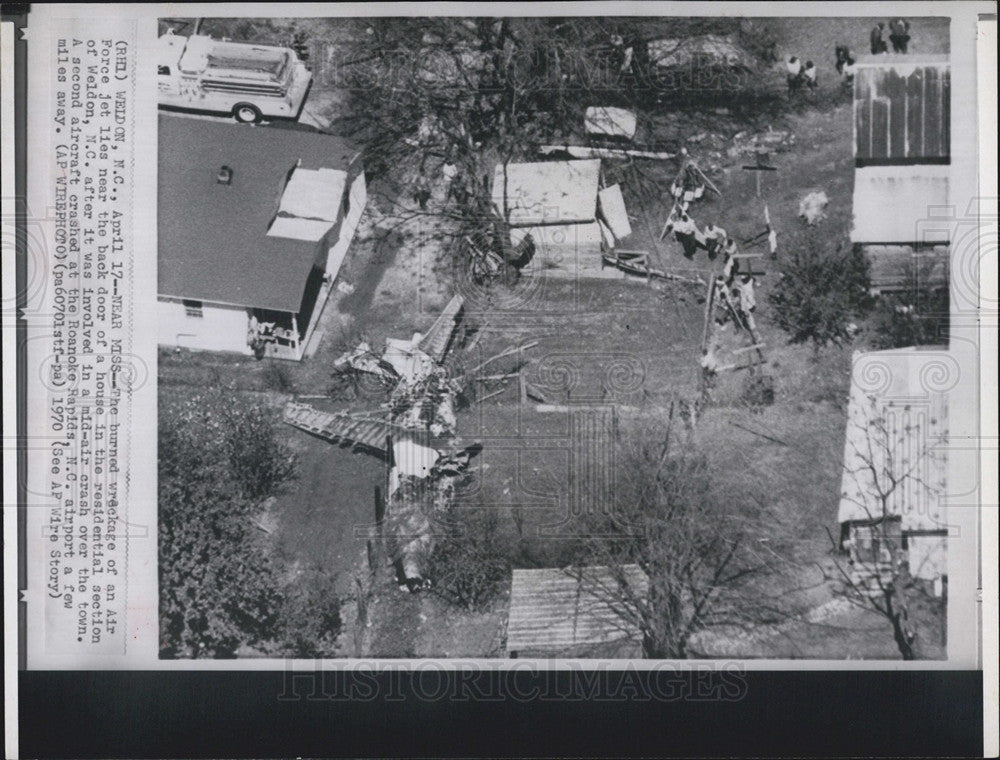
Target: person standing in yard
845,64
684,231
730,266
748,299
877,43
842,53
794,68
899,34
715,239
809,75
422,191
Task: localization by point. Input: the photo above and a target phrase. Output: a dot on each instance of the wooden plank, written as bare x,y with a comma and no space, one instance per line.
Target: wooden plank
436,341
880,128
709,313
895,87
582,151
932,112
945,142
862,115
915,114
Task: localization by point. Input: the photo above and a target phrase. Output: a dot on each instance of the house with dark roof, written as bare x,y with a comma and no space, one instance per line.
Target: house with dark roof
254,224
902,157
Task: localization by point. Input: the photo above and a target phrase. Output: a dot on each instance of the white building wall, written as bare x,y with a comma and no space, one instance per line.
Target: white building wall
348,227
220,328
898,204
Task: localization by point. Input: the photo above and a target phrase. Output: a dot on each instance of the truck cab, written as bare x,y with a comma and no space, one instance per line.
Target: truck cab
249,81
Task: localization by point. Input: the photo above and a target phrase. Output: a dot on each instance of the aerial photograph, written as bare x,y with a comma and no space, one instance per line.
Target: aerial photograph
595,338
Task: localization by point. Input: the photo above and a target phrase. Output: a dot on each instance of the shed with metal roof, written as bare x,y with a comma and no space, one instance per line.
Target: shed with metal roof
557,204
575,612
895,463
902,157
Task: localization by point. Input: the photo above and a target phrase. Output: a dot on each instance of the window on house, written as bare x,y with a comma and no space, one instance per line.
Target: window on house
193,308
163,71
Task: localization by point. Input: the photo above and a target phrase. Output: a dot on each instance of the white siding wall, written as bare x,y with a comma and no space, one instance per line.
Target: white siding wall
221,328
359,197
897,204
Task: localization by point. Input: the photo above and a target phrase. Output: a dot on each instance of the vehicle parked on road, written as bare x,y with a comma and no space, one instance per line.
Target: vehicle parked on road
249,81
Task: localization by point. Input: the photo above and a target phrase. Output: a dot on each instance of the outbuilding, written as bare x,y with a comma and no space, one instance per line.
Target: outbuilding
564,209
893,486
576,612
902,157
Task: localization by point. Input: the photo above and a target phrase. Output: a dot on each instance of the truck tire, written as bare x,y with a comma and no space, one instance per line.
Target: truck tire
246,113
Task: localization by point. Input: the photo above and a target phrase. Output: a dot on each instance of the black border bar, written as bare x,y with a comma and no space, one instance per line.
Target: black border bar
429,712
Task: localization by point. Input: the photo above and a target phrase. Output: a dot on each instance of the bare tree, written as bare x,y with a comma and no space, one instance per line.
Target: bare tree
893,480
700,549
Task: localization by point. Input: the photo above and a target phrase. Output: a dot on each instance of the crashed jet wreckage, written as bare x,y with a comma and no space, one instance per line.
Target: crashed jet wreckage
414,432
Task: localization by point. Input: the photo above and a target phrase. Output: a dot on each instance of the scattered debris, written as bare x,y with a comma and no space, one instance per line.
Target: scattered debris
637,263
414,430
587,151
345,287
746,144
438,339
506,352
612,207
689,185
608,121
363,359
812,208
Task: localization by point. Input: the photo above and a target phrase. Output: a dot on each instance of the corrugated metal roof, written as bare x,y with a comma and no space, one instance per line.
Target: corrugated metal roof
896,432
557,609
902,110
898,204
212,241
549,192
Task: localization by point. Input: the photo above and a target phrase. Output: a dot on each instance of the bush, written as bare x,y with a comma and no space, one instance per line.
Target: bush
819,293
311,616
905,320
470,564
220,587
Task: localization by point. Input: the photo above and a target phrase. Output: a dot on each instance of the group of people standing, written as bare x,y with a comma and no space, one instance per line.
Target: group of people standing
712,239
801,74
899,36
733,286
804,74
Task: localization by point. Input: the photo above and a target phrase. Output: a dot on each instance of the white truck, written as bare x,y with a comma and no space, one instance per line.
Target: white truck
246,80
